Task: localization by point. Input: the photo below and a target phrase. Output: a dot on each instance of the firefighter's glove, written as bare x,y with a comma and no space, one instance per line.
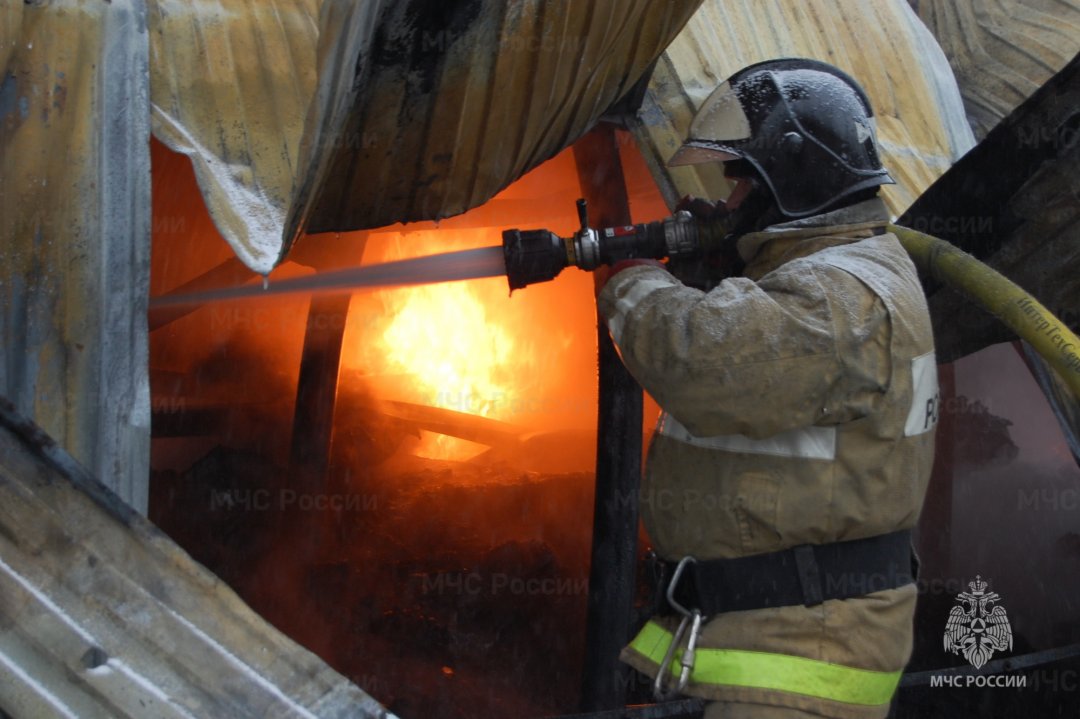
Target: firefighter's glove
705,273
701,208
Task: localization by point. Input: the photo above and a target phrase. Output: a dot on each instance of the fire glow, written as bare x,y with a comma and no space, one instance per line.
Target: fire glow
458,346
442,337
464,416
457,357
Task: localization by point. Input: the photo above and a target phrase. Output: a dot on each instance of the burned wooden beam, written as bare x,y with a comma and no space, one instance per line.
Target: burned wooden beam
313,417
462,425
618,456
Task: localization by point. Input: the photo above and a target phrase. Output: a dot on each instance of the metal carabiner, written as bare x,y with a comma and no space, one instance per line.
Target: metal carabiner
679,568
692,618
659,693
690,655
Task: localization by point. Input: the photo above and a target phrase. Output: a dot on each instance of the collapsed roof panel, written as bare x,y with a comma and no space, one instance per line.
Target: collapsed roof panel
452,101
230,84
102,615
313,116
920,118
414,110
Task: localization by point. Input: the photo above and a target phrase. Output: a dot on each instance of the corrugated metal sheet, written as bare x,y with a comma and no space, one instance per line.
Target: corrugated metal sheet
230,83
450,102
103,616
75,229
423,110
1002,50
10,28
921,123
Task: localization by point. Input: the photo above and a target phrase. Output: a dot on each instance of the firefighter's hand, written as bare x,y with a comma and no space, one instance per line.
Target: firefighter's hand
700,207
720,262
601,275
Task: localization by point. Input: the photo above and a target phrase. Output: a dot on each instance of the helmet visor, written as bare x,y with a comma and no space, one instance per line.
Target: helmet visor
719,120
693,154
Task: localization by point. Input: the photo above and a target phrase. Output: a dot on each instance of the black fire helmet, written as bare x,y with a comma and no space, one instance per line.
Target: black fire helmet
805,125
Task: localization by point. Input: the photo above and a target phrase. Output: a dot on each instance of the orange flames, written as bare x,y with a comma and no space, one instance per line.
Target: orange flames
423,371
526,363
456,354
442,336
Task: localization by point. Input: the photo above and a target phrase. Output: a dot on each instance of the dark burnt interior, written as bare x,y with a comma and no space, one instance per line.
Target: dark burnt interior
441,557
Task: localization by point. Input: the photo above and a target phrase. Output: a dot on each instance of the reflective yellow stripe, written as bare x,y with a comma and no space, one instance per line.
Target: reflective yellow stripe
782,672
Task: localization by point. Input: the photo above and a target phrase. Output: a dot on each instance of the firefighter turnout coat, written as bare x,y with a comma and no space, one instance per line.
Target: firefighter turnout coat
799,403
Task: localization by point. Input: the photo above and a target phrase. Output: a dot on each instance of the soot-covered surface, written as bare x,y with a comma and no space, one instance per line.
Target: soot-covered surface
448,589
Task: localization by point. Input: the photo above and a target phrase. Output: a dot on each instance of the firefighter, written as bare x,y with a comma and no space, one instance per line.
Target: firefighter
799,401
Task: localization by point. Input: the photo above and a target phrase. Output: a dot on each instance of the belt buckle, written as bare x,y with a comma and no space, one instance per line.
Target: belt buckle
691,618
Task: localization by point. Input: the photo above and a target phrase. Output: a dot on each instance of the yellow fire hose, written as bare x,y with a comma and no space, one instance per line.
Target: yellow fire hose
1003,298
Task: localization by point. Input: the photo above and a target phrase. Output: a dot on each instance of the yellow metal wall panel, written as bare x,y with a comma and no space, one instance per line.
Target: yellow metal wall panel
10,29
74,230
1002,50
230,83
921,125
419,111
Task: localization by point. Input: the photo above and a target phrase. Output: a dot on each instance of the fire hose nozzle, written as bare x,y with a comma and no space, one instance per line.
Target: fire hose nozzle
533,256
540,255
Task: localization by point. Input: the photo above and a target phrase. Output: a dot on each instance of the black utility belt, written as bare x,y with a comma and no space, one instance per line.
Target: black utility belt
808,575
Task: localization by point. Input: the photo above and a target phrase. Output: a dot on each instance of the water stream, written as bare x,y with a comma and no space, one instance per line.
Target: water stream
448,267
